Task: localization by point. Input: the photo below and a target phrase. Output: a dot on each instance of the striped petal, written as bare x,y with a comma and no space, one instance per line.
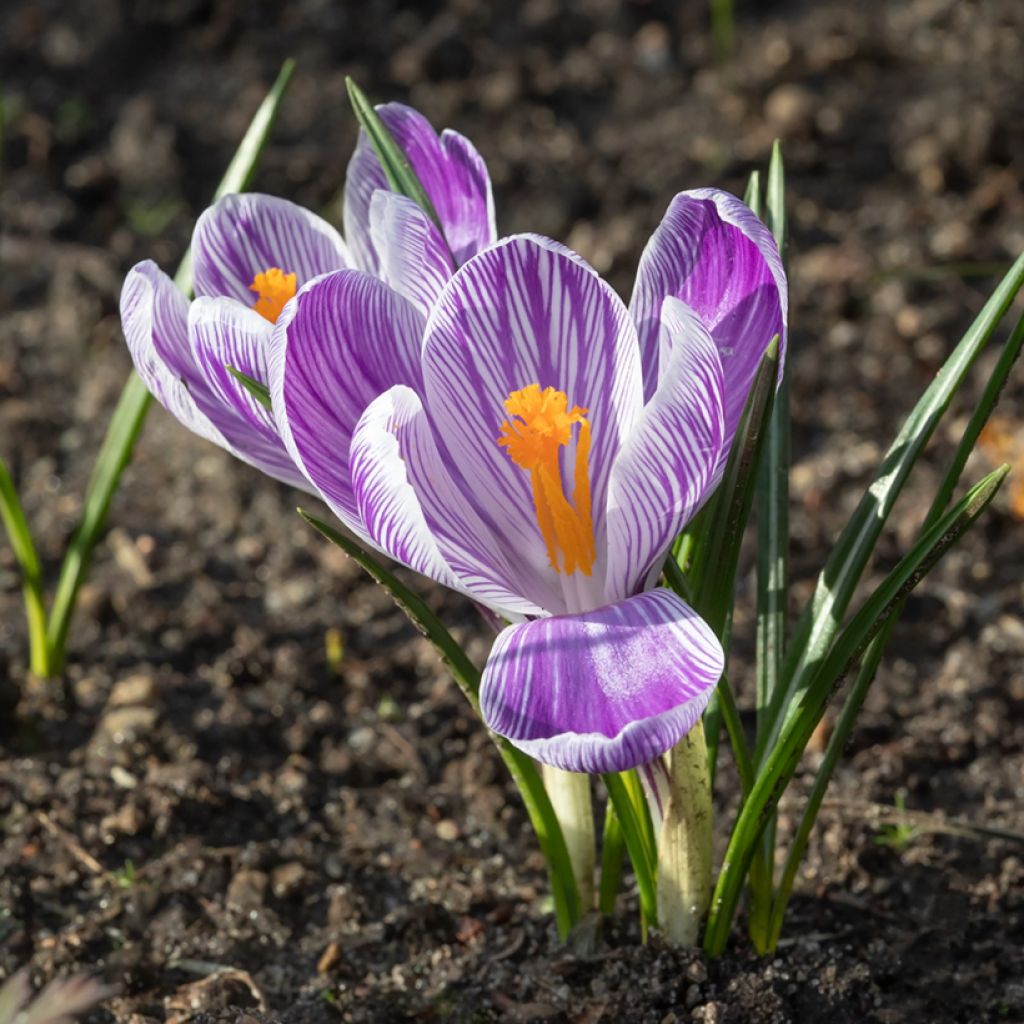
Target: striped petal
668,466
246,234
521,313
414,259
711,251
451,171
154,317
411,508
223,333
342,341
603,691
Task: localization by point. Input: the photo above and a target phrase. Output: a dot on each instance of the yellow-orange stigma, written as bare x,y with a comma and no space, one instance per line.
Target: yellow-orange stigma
274,288
540,423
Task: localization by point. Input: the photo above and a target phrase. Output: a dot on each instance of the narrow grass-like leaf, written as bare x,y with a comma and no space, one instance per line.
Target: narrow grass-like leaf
752,193
838,580
772,562
718,549
869,666
467,676
396,166
722,28
634,834
24,548
717,558
784,756
258,391
130,413
613,859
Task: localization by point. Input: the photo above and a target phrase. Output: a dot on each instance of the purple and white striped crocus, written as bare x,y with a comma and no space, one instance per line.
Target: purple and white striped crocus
518,434
252,252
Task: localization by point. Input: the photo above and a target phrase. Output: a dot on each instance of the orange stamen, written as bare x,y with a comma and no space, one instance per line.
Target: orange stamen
541,423
274,288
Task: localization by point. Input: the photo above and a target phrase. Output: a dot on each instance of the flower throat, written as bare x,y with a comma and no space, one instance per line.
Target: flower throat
540,423
274,288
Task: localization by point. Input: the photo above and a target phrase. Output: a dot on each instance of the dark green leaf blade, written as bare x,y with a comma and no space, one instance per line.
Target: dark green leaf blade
258,390
869,666
784,756
396,166
842,572
22,544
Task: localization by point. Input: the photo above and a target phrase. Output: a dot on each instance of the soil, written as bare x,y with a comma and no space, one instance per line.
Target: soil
231,825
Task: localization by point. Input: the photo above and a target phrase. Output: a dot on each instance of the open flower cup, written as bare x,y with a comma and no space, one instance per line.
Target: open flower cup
539,449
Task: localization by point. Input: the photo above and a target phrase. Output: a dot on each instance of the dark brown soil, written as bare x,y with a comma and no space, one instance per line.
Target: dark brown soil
231,829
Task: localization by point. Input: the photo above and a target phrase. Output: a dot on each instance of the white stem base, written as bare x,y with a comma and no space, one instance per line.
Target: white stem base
570,798
684,847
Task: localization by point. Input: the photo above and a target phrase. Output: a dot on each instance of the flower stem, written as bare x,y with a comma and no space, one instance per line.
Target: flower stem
684,848
570,798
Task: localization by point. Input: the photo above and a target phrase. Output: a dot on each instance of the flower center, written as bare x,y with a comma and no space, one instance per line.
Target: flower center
539,424
274,288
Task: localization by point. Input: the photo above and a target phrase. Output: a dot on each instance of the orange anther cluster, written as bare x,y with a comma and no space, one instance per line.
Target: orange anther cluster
540,424
274,288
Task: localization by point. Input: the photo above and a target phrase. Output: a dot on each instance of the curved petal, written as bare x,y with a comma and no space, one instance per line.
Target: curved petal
670,462
154,317
604,691
245,234
711,251
521,313
414,259
411,508
222,333
466,203
342,341
451,171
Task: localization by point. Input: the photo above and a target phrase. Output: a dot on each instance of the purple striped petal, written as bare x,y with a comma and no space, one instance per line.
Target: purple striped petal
521,313
154,316
414,259
222,333
451,171
342,341
668,466
603,691
246,234
711,251
411,508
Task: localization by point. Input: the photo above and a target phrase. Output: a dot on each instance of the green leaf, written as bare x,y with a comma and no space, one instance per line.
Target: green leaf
258,391
24,548
130,413
717,558
641,855
752,194
842,572
781,762
467,676
718,549
869,666
772,569
396,166
613,857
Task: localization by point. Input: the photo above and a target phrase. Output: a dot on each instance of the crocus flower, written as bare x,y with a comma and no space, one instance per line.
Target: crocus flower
251,254
537,446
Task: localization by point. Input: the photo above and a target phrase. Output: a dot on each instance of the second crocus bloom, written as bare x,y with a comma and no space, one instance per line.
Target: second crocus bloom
251,253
